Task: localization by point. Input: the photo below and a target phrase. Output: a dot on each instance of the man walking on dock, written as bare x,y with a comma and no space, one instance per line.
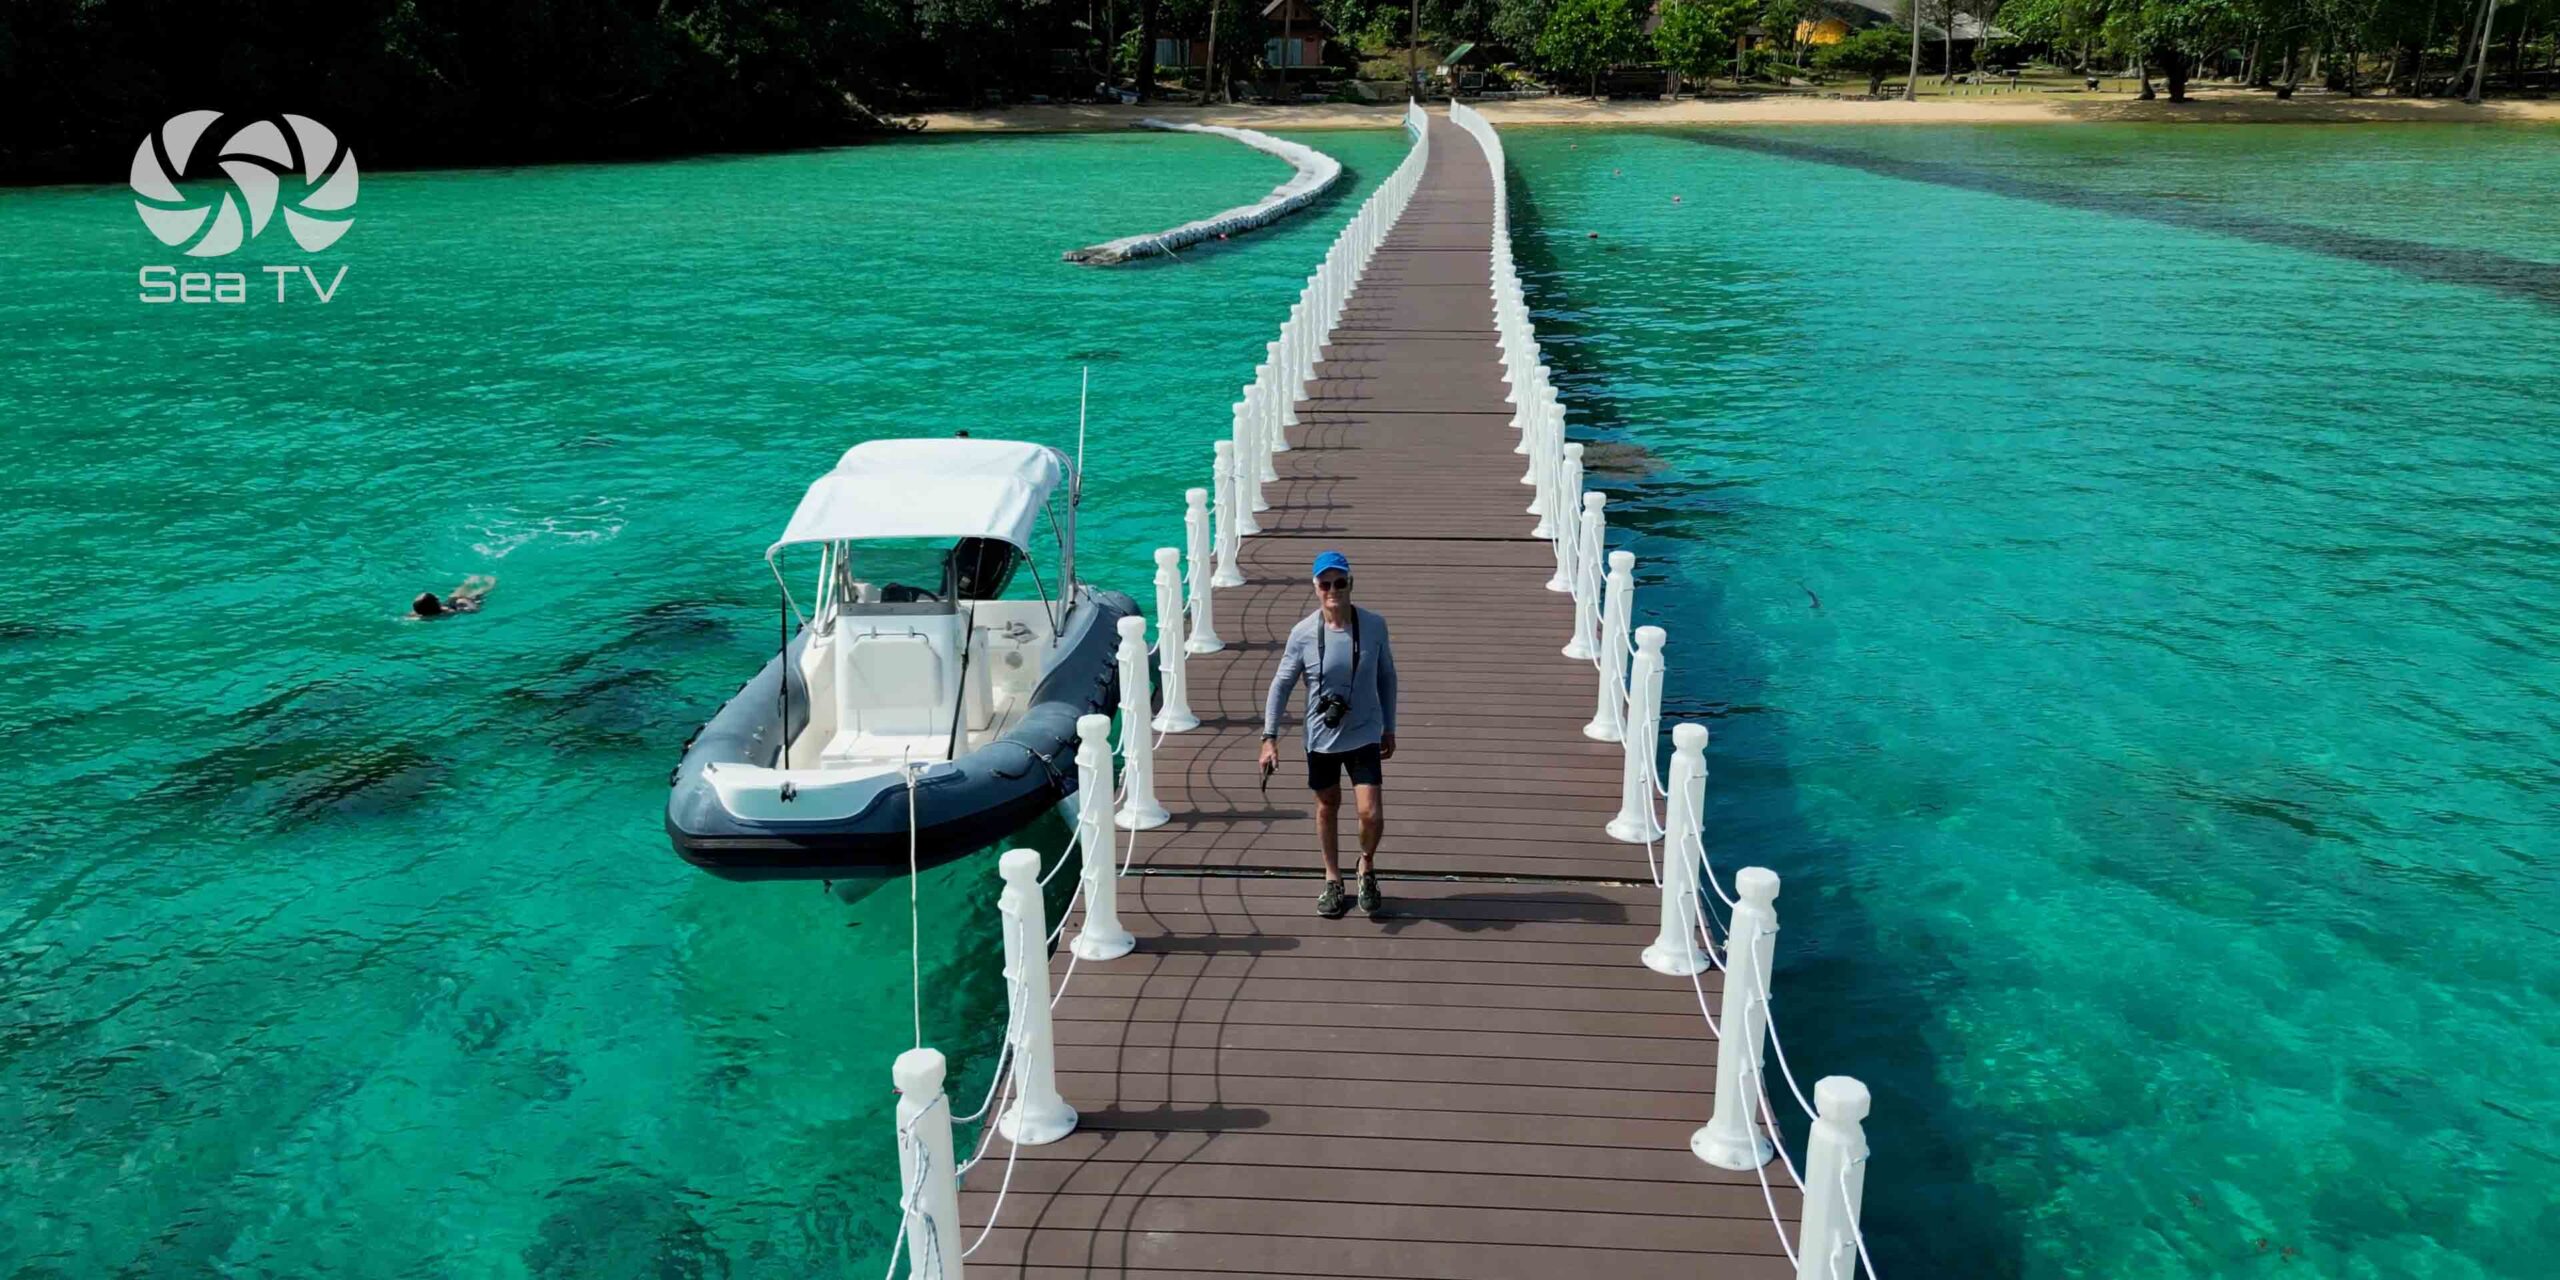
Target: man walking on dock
1341,651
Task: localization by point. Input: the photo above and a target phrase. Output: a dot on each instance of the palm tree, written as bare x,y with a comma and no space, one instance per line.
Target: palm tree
1911,86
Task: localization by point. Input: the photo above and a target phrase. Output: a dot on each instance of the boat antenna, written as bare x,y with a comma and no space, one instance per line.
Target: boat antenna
915,933
1075,490
1084,396
968,611
782,691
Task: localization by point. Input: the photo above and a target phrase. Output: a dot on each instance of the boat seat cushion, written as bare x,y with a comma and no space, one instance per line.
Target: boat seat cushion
894,686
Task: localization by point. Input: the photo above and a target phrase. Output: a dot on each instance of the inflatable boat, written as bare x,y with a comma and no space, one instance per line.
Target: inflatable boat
925,703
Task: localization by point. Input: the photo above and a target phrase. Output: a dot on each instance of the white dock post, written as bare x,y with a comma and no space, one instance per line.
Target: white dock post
1038,1115
1608,719
1533,423
1298,366
1520,398
1251,460
925,1171
1265,412
1533,375
1230,535
1513,355
1284,395
1311,339
1591,558
1248,419
1197,540
1175,716
1676,949
1731,1137
1546,459
1634,823
1562,497
1835,1180
1101,938
1139,811
1248,489
1580,557
1546,422
1566,525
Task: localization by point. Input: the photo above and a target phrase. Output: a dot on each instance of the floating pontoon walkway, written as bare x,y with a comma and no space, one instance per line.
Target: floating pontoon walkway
1485,1083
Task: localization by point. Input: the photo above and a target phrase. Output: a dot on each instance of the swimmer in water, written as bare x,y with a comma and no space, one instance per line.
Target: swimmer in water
462,599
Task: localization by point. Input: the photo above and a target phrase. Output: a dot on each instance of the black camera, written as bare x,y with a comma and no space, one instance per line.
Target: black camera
1330,708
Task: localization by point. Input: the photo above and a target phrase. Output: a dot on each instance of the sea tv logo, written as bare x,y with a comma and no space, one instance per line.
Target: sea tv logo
288,171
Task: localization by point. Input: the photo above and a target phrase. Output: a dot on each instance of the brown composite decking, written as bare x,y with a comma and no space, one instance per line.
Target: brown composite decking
1486,1082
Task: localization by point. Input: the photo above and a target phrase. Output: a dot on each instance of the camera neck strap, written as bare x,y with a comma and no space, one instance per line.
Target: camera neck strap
1321,628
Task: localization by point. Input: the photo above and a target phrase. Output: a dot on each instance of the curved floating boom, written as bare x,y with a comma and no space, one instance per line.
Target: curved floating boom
1316,172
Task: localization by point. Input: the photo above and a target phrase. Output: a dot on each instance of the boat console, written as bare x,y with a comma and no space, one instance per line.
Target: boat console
885,681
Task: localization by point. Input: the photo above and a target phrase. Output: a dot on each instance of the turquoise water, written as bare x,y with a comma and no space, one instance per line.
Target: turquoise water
333,943
2161,782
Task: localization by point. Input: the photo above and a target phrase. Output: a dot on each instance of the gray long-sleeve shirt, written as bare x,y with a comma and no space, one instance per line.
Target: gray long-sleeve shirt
1372,694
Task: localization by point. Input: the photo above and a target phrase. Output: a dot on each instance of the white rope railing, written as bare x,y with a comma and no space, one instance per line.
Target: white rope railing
1267,407
1742,1131
1025,1072
1833,1179
1215,521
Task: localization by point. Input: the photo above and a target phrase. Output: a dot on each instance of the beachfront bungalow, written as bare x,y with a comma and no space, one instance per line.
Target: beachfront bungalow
1832,21
1294,37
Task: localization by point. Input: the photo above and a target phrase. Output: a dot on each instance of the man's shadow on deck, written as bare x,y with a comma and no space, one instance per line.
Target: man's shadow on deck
1492,910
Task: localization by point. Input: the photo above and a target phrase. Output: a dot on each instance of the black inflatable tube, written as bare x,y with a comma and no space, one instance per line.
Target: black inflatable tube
992,793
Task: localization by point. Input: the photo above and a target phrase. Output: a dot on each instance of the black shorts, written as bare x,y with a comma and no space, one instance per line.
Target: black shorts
1324,768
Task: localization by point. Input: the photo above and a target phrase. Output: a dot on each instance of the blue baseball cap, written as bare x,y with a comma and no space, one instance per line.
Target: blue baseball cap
1330,560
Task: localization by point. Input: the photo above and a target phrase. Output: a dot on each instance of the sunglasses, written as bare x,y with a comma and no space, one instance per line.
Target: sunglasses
1334,584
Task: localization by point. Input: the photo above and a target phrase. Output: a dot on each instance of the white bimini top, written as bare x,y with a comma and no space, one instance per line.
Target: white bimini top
929,489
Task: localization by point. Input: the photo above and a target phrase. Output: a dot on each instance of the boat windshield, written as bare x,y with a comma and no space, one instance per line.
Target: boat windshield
920,575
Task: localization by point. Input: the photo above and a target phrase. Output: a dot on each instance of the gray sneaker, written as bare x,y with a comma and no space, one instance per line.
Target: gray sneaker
1370,902
1330,904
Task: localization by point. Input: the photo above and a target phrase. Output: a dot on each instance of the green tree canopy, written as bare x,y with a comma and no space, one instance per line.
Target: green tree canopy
1583,38
1459,19
1516,23
1875,53
1696,36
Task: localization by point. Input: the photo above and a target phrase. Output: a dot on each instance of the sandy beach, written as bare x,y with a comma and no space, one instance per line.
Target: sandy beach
2209,106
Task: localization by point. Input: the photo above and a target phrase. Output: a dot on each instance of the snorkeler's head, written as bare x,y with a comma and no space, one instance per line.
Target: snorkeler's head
426,605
